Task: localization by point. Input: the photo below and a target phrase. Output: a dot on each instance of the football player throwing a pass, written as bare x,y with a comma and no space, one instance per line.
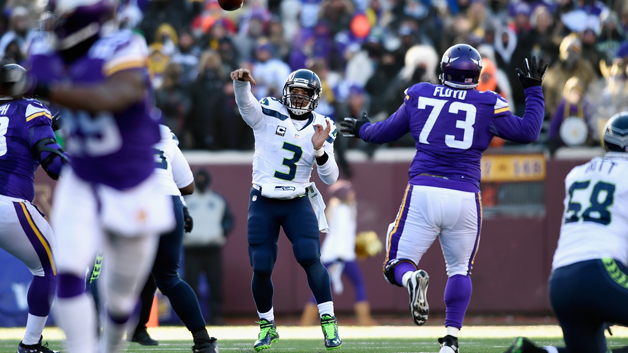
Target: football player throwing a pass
453,124
589,269
290,138
107,199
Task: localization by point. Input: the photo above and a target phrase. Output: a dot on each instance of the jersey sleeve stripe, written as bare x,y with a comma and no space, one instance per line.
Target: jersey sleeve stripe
497,111
33,116
274,114
134,64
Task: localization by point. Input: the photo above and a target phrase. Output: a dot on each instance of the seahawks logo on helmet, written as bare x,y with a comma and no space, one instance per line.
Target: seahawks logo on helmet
297,103
616,133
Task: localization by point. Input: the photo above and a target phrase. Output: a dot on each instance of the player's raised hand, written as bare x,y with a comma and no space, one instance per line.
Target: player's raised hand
242,74
350,127
533,72
320,136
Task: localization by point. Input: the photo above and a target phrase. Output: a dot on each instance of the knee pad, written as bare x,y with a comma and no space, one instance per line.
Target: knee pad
262,260
389,270
307,251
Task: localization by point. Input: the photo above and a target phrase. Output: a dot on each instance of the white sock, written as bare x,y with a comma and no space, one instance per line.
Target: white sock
34,328
270,315
77,317
326,308
551,349
406,278
453,331
111,339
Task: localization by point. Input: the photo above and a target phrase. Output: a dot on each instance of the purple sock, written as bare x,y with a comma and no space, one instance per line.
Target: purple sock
70,286
457,297
401,270
40,294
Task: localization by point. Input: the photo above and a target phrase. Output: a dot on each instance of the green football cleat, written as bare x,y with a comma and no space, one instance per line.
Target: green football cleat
267,335
330,331
524,345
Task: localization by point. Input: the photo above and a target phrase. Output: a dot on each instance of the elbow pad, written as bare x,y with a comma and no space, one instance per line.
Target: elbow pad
42,146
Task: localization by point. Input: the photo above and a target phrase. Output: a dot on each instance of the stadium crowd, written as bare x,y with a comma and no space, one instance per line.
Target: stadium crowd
366,52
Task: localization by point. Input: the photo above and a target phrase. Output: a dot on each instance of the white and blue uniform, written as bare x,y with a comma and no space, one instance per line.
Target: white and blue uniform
589,282
283,162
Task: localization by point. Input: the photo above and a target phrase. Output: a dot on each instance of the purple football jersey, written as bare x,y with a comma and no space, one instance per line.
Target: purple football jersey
22,124
452,129
110,148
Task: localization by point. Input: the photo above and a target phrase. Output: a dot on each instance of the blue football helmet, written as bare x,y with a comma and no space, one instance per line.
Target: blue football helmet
616,133
308,81
460,67
79,20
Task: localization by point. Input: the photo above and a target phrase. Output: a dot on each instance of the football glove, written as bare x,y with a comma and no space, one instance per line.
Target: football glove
189,222
56,121
350,127
532,74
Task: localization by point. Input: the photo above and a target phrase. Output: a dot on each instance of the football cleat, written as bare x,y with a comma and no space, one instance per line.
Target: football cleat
35,348
448,344
524,345
267,335
417,290
209,346
144,339
329,324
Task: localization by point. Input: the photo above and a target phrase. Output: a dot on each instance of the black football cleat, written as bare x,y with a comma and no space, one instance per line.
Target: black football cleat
524,345
144,339
329,324
448,344
267,335
35,348
417,290
209,346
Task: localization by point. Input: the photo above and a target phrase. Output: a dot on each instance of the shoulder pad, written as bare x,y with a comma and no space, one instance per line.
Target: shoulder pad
271,106
35,109
271,102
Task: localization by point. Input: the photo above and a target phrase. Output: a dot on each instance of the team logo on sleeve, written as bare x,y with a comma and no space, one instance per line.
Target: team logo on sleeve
281,130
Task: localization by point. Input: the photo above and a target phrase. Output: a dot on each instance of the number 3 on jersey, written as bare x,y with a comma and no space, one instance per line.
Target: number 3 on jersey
598,210
291,163
455,107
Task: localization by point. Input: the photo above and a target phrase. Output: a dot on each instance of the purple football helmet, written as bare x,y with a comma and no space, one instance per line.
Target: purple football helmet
79,20
460,67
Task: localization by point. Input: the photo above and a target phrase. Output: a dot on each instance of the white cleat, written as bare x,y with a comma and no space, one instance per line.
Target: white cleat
417,289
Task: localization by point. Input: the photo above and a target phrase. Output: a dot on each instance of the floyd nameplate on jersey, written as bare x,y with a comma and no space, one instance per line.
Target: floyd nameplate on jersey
281,130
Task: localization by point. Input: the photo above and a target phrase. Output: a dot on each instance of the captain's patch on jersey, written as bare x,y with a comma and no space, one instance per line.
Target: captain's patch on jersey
281,130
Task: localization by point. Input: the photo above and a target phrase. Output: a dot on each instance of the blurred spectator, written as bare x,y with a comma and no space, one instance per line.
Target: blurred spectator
270,73
336,15
572,124
173,98
521,21
158,60
245,42
610,37
281,47
187,56
228,54
176,13
570,64
19,34
590,51
614,97
213,221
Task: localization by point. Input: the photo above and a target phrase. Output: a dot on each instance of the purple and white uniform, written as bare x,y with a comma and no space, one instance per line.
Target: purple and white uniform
110,187
452,128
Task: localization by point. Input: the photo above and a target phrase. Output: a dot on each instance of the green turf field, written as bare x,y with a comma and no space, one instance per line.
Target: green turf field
397,339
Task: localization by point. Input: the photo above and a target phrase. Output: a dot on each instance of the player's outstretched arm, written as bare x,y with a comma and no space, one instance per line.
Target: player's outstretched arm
388,130
526,129
248,106
45,148
324,153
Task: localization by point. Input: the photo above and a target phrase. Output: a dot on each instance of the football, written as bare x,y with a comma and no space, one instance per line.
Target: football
230,5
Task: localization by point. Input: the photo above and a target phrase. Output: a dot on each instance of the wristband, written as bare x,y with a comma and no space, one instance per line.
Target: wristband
320,152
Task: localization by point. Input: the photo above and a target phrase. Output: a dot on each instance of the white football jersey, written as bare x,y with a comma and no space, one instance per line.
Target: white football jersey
595,222
284,154
171,169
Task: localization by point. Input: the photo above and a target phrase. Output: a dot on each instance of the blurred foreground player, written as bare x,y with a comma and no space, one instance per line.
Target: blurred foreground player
289,140
26,141
589,269
107,199
175,178
453,125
